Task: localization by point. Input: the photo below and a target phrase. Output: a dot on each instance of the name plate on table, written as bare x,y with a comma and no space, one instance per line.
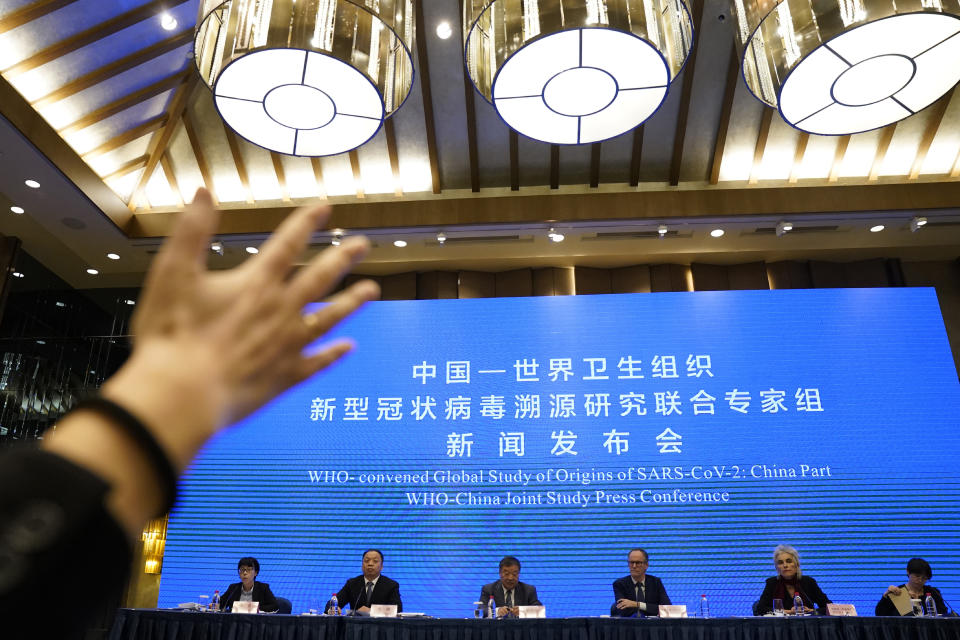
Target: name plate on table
240,606
841,610
532,611
383,611
673,611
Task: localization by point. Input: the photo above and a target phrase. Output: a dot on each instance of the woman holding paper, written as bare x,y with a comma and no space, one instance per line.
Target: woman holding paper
789,582
896,600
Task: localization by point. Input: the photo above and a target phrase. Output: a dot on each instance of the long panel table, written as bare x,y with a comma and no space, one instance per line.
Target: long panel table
150,624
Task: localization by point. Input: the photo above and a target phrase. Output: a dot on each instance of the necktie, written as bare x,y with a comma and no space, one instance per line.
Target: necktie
640,591
369,593
510,598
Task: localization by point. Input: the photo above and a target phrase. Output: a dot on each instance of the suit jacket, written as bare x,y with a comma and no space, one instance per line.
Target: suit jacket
524,595
354,593
654,596
810,592
886,607
261,594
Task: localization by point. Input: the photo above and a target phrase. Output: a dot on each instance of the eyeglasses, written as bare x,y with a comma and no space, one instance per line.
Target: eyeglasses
245,570
637,562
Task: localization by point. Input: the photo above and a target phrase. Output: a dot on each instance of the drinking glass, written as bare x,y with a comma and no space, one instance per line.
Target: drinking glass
917,608
204,602
477,609
778,607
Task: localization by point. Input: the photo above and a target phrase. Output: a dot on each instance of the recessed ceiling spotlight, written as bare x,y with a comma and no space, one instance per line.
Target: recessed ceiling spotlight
662,230
92,271
444,30
441,238
59,304
717,233
33,184
783,227
168,22
130,302
337,237
217,247
877,227
252,250
17,210
554,236
113,256
17,274
917,222
400,243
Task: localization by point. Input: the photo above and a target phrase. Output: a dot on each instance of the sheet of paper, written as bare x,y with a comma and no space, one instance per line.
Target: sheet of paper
902,602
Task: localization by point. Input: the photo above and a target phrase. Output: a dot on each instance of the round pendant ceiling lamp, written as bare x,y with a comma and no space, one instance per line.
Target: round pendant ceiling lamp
577,71
835,67
307,77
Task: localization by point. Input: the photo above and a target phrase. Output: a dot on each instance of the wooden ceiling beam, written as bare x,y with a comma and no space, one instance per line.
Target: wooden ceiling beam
390,134
882,146
234,143
514,160
318,176
126,63
842,143
126,102
726,109
90,36
114,143
282,175
158,145
357,176
676,164
432,152
31,12
197,148
595,152
761,145
636,155
171,176
930,132
630,205
554,166
127,167
798,154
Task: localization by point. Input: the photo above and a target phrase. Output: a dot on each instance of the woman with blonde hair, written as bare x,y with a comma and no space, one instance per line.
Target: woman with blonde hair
789,582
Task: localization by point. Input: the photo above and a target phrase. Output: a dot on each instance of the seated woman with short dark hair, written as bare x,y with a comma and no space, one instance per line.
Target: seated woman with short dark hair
918,572
248,589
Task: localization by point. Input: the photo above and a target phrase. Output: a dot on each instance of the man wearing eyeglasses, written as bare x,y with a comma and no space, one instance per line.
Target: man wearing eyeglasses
638,594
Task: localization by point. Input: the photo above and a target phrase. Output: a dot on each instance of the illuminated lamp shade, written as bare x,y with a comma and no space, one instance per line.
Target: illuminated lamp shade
578,71
836,67
309,78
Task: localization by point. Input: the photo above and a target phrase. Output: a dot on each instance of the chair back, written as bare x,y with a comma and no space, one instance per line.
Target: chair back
285,605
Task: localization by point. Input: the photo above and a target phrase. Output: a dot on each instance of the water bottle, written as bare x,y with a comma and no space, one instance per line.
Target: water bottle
704,606
215,601
931,606
798,604
493,608
334,606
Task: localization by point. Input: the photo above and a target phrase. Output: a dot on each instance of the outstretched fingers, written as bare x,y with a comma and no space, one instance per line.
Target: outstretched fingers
289,240
339,307
316,279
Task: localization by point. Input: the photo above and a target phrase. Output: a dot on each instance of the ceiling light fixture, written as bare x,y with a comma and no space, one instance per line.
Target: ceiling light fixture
575,72
444,30
92,271
876,228
217,248
167,21
441,238
113,256
337,237
252,250
845,66
306,81
33,184
16,209
130,302
554,236
917,222
783,227
400,243
662,230
17,274
717,233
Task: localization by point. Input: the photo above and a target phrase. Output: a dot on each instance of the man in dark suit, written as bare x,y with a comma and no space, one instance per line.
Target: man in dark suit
370,588
508,592
248,588
638,594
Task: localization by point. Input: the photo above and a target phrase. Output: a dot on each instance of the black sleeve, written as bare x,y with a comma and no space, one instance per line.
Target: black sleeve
268,601
534,600
344,597
620,593
395,596
55,526
765,603
938,600
818,596
226,600
664,598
